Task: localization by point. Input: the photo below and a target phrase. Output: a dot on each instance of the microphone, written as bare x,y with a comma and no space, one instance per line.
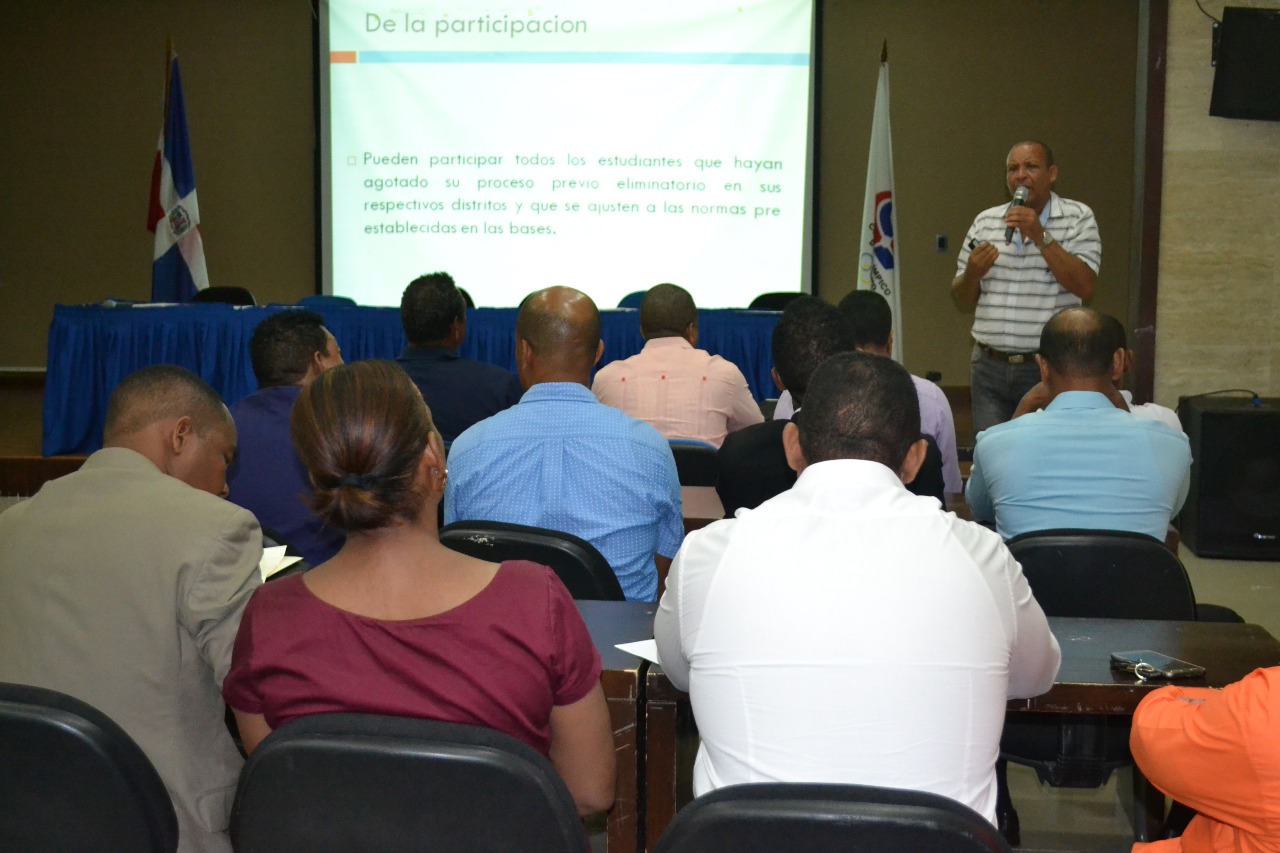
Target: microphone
1019,199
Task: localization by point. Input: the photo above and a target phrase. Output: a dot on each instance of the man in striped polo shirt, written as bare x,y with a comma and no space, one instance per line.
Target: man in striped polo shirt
1050,263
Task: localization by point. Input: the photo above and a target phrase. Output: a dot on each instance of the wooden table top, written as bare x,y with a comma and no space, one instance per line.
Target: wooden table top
701,506
610,623
1086,684
613,622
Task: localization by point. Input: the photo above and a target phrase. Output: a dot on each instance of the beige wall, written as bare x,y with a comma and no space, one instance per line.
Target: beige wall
968,79
1219,304
80,96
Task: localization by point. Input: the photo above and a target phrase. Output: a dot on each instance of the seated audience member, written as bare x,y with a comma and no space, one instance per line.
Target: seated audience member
1151,411
462,392
751,466
872,320
1217,752
1038,397
122,585
1081,462
563,460
681,391
288,350
830,634
398,624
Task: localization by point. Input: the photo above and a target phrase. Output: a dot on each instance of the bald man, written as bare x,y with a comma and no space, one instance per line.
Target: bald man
123,584
563,460
1082,462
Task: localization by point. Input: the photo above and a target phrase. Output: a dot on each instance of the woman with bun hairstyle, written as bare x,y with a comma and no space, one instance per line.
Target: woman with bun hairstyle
398,624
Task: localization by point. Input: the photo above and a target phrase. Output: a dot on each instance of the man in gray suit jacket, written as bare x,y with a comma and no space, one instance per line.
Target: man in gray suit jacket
122,585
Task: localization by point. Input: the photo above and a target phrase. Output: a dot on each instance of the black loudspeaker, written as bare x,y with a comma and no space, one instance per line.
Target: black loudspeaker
1233,507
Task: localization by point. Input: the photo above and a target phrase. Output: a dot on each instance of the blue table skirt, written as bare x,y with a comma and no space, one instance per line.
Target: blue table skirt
91,348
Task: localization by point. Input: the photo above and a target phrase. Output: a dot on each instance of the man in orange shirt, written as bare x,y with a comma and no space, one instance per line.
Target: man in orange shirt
1218,752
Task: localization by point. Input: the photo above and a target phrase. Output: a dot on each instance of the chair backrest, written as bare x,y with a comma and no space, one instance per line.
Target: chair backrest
632,300
326,300
695,462
72,781
827,819
333,783
774,301
581,568
1104,574
231,295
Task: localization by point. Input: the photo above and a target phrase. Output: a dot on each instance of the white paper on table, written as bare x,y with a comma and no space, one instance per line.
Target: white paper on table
647,649
274,561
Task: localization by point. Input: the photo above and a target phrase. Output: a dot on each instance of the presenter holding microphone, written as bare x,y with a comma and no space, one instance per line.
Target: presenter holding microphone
1020,264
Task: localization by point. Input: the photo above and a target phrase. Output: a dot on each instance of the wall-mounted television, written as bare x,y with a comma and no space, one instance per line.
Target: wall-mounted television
1247,81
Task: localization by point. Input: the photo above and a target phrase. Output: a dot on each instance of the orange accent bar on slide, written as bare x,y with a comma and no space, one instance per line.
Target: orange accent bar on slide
341,56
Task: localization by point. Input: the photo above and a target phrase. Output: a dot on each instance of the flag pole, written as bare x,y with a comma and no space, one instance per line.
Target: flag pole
168,77
878,267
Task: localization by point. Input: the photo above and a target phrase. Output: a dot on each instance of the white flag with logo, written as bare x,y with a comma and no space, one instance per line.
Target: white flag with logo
878,261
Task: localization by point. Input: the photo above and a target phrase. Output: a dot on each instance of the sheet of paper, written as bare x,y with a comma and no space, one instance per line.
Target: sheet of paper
274,561
647,649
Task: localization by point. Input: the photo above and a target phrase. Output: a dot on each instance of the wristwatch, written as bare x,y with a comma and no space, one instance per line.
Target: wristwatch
1046,241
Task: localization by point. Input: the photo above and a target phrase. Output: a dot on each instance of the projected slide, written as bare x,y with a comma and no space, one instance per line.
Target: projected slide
605,146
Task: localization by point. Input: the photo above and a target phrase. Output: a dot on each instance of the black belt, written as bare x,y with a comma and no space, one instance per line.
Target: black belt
1010,357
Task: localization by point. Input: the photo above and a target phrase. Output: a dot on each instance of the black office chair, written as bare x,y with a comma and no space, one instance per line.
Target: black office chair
333,783
466,298
326,300
581,568
632,300
230,295
1104,574
695,462
72,781
774,301
765,818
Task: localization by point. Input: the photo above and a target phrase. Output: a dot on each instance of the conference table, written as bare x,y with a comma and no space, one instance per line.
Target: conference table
700,506
660,751
93,347
610,623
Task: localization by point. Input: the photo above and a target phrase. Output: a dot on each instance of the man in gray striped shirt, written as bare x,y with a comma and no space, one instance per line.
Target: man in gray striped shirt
1050,263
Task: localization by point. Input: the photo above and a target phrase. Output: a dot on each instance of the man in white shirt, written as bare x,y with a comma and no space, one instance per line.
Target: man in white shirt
846,630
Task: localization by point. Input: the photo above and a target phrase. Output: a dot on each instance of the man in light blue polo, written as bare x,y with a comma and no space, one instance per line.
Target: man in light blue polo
563,460
1081,462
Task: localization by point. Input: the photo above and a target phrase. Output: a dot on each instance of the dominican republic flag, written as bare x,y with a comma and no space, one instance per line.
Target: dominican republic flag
178,270
878,250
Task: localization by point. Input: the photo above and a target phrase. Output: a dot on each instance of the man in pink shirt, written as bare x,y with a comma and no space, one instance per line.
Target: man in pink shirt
683,392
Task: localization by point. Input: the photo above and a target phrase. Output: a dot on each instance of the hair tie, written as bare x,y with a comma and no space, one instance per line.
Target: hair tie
359,481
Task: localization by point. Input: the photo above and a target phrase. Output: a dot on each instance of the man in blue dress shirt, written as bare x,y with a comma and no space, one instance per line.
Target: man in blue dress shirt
288,350
563,460
1082,461
459,391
